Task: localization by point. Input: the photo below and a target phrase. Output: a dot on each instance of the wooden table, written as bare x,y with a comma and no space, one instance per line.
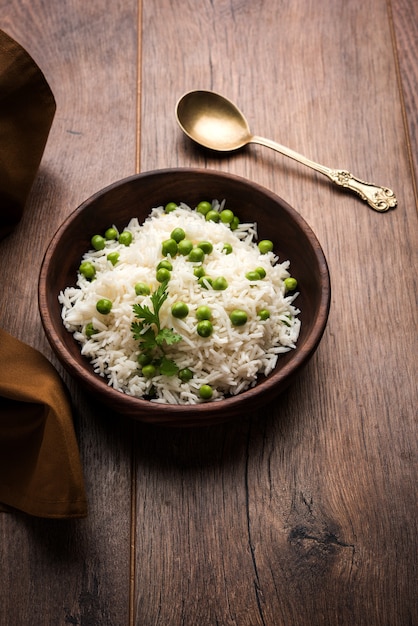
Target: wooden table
303,513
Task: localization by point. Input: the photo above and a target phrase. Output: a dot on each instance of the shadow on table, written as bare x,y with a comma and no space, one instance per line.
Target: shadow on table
218,445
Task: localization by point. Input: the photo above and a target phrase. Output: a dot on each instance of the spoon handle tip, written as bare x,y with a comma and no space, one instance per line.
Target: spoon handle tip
378,198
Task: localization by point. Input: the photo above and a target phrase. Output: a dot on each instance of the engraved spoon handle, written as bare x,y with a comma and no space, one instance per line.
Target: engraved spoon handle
379,198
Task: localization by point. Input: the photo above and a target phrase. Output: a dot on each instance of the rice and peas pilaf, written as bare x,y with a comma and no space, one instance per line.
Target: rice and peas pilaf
227,314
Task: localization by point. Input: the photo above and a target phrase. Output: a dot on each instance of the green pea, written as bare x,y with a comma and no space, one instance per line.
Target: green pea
111,233
144,359
220,283
196,255
169,247
149,370
205,392
226,216
264,314
227,249
180,310
166,264
90,330
98,242
203,313
238,317
87,269
261,271
113,257
185,374
104,306
235,223
265,245
252,275
204,207
199,271
170,207
205,281
212,216
125,238
178,234
184,247
290,283
204,328
163,274
142,289
206,246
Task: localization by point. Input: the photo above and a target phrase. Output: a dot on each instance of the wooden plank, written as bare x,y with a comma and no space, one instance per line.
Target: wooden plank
301,514
72,572
404,16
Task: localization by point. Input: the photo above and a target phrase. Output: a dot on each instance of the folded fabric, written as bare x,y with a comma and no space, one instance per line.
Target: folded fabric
27,109
40,468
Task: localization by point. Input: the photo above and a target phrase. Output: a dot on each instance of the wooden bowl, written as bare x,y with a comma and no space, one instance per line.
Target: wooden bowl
136,196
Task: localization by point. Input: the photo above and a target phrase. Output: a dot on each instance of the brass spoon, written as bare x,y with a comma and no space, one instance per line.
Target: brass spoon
216,123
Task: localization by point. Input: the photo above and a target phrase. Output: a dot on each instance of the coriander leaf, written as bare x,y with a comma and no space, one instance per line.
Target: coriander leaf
137,328
145,313
160,295
147,339
158,298
168,336
149,333
168,367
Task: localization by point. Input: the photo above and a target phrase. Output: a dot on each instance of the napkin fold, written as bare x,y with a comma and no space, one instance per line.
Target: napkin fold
27,109
40,467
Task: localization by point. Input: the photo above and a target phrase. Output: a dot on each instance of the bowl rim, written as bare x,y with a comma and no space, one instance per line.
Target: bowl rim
205,409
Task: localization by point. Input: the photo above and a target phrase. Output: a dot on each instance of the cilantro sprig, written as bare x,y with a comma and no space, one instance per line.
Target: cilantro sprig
152,337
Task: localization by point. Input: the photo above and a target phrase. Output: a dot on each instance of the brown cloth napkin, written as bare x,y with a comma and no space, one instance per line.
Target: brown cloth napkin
40,468
27,109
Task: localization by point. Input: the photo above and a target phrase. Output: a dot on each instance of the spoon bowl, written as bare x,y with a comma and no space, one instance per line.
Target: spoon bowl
215,122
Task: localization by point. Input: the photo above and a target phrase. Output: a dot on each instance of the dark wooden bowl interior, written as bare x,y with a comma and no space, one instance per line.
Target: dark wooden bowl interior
134,197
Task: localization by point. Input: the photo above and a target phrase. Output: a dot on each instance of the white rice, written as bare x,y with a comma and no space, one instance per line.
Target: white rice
232,357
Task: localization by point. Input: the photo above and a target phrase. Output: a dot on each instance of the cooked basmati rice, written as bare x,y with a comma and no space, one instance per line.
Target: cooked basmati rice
232,357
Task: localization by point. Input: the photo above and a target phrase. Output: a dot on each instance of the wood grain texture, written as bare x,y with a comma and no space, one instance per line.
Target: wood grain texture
301,513
68,573
404,17
294,526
